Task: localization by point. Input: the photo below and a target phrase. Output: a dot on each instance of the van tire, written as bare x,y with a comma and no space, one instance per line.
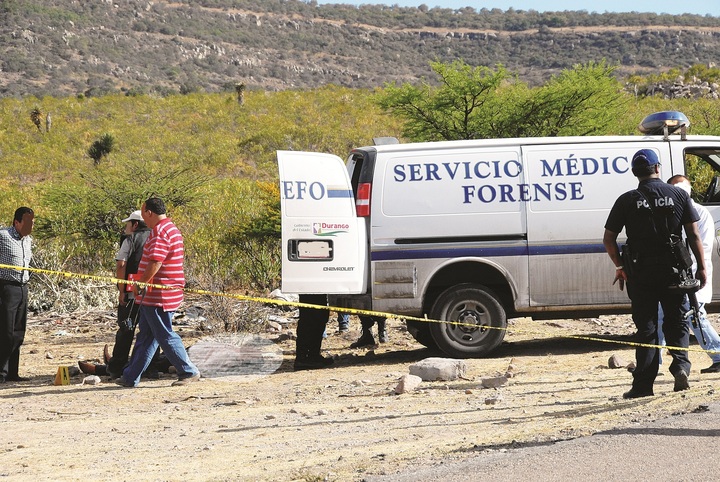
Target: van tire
472,304
420,330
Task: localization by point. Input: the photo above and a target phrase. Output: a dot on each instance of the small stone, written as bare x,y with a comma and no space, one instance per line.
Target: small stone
616,361
494,382
49,355
494,400
408,383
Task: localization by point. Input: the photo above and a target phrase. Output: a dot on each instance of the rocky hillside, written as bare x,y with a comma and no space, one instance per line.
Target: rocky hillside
54,47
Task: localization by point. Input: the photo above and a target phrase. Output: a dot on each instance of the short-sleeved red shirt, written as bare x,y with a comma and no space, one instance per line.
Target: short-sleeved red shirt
165,245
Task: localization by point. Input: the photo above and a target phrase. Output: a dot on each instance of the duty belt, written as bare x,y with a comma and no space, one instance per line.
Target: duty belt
11,282
654,260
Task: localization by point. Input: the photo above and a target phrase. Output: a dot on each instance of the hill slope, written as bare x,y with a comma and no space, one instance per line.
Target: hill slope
64,48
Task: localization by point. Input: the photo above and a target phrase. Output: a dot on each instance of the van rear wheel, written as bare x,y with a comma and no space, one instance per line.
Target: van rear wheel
480,321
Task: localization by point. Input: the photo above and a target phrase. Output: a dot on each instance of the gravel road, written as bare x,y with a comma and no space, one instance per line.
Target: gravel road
680,447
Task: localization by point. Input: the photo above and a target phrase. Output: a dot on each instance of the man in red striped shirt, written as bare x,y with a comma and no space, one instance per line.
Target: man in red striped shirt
161,264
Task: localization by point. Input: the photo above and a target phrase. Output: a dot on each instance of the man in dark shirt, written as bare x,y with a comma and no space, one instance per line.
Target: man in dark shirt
649,214
127,261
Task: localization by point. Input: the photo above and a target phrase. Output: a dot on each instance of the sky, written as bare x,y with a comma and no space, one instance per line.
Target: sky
699,7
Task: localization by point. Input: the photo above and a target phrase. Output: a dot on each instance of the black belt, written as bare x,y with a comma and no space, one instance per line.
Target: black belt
11,283
654,260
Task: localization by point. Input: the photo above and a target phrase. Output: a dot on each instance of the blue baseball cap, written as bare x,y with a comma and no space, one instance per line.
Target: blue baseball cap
645,157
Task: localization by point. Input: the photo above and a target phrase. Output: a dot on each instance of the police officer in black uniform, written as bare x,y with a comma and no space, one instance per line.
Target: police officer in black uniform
648,285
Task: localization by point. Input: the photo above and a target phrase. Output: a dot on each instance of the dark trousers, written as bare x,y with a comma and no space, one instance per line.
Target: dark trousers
124,341
367,322
13,322
311,326
645,299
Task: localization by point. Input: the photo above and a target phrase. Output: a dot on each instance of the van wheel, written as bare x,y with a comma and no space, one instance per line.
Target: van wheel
481,321
420,330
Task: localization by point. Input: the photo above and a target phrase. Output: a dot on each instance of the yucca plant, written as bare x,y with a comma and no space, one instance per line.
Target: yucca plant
101,147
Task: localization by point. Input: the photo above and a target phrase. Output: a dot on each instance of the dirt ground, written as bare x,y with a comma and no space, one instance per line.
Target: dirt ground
341,423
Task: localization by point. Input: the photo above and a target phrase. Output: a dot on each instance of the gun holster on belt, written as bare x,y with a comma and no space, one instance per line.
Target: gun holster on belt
629,260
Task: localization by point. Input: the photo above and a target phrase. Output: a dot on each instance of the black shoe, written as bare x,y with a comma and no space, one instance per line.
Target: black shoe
382,337
16,378
121,381
313,363
637,393
366,339
714,368
681,381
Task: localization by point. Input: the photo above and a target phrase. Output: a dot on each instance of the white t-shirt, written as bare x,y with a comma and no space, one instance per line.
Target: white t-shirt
706,227
125,249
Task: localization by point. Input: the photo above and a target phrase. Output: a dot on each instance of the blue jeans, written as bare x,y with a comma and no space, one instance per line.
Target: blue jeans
712,339
343,320
155,328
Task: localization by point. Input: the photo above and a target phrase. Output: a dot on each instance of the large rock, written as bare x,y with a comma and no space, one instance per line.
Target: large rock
431,369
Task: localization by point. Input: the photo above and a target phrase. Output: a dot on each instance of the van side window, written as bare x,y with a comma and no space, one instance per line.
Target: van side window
702,167
355,163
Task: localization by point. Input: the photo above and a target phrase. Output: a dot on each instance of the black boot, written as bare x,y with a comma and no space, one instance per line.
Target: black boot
312,362
366,339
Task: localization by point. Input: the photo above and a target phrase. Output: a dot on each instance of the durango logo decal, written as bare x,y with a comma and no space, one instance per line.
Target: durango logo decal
329,229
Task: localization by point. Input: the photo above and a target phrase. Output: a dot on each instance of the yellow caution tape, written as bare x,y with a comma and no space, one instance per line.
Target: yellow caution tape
353,311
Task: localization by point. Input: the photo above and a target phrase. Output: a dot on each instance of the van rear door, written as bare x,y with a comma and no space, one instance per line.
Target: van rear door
324,243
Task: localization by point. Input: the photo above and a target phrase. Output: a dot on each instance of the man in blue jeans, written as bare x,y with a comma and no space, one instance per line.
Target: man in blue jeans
161,264
706,226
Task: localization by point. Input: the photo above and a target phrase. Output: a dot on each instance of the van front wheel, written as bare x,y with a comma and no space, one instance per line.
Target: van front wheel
479,321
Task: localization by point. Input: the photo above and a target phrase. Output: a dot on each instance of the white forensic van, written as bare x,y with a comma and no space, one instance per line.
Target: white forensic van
474,231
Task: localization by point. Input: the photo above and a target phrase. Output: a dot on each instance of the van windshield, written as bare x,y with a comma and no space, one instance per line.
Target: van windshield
702,167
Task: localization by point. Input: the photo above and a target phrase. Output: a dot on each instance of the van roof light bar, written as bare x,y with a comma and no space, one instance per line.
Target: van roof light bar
665,123
383,141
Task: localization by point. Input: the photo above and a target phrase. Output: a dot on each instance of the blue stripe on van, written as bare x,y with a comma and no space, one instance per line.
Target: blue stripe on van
481,252
567,249
335,193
